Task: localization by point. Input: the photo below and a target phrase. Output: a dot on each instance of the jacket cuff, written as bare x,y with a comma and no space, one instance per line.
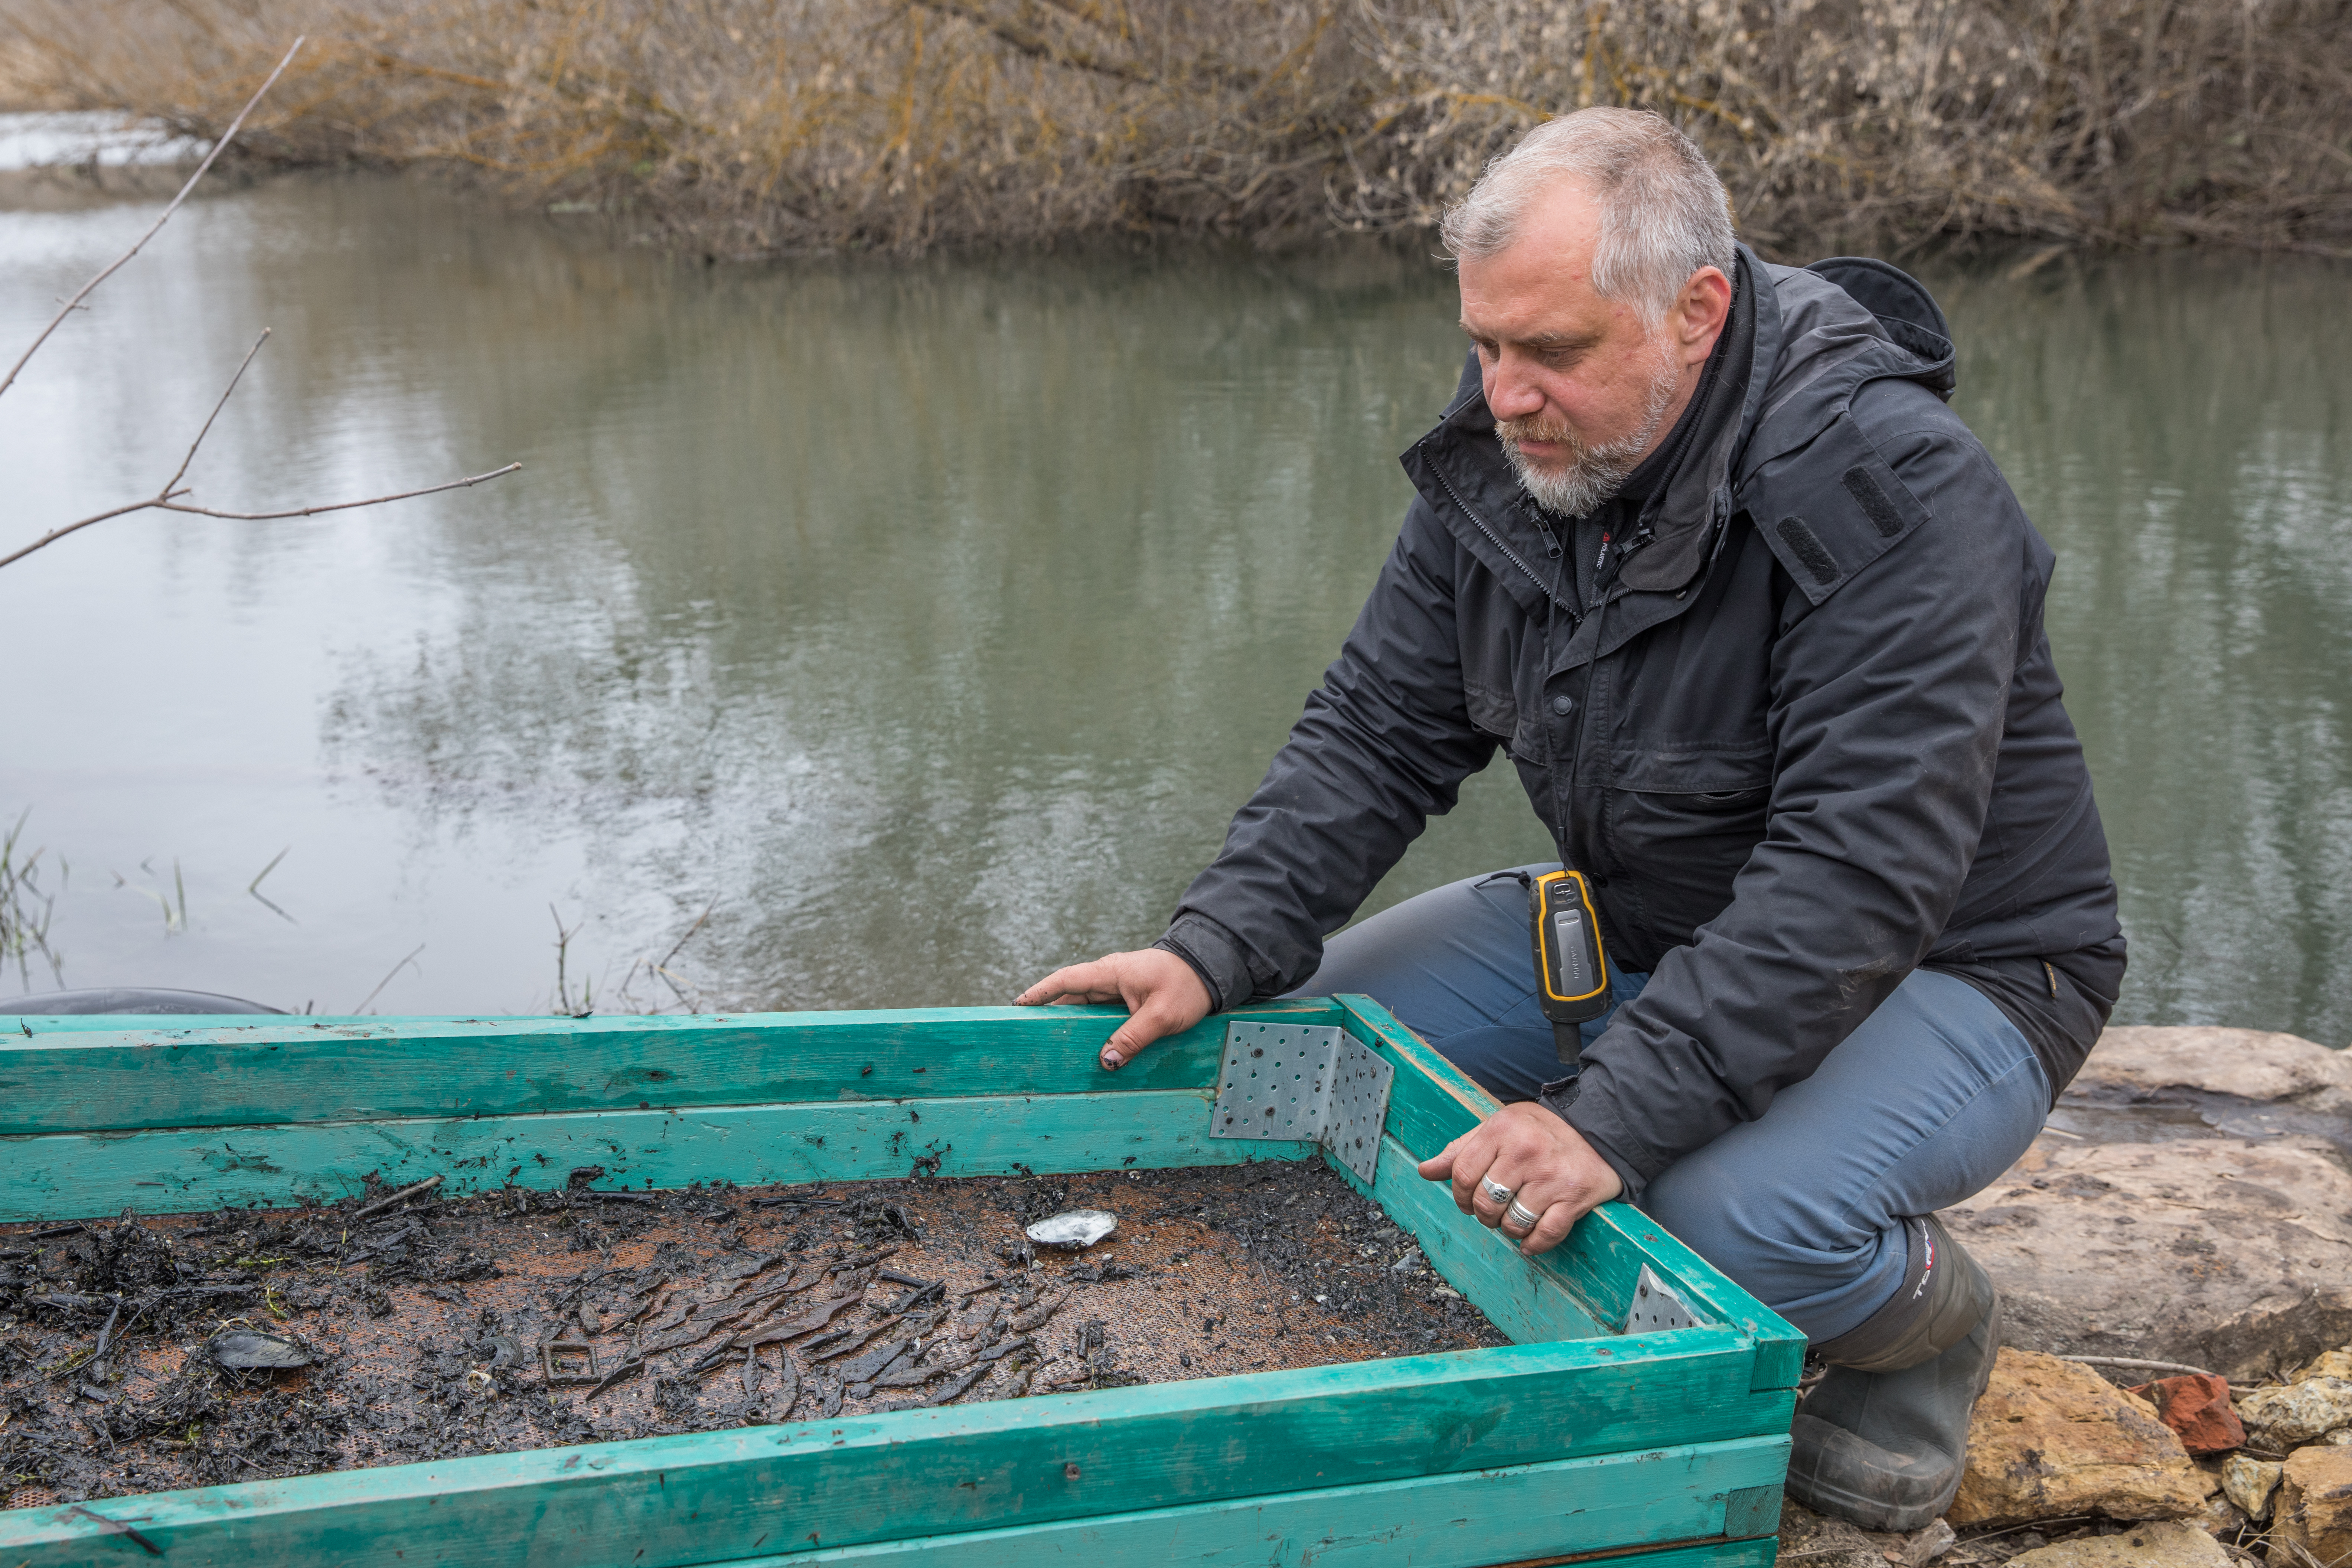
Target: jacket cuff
1216,956
1596,1119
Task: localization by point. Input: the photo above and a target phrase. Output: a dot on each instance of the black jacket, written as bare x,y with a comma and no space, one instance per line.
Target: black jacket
1807,738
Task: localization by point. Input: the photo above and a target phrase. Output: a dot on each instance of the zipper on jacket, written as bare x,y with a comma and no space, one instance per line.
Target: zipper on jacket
1495,540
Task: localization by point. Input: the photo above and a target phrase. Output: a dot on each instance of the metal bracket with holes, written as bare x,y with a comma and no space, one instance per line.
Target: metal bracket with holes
1315,1084
1657,1307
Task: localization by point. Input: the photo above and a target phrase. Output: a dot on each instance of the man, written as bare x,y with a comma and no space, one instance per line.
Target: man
1760,624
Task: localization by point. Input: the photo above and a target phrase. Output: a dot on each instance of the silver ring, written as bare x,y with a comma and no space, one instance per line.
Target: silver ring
1495,1192
1518,1214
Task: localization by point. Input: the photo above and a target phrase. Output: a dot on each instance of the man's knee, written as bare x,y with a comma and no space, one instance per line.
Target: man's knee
1713,1212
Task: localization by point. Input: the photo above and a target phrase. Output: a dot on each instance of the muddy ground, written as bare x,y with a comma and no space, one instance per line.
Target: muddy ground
433,1327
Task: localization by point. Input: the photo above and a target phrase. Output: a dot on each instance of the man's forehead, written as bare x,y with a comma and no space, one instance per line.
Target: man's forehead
1539,288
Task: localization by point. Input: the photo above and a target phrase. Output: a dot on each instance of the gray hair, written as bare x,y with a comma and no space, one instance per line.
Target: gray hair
1664,214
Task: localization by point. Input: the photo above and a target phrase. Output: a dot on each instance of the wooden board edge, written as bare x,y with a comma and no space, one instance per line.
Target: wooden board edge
136,1077
634,1487
74,1175
1384,1522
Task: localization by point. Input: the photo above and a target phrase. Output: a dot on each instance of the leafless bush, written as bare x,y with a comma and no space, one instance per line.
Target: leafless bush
761,126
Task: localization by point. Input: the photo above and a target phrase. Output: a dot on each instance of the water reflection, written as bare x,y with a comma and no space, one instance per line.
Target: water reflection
2181,428
935,619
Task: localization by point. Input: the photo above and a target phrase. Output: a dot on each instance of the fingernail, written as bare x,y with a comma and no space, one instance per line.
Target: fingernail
1113,1061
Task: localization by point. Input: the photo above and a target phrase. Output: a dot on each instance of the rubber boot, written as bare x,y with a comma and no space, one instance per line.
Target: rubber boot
1882,1443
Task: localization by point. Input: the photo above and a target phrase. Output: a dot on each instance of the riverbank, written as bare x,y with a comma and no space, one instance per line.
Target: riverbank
759,127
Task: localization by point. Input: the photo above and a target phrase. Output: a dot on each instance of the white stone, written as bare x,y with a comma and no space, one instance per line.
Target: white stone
1074,1229
2280,1419
2251,1484
2161,1545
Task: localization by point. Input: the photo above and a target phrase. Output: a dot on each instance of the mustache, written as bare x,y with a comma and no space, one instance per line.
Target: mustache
1534,427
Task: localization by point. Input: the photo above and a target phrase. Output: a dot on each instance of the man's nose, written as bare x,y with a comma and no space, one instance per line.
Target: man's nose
1511,391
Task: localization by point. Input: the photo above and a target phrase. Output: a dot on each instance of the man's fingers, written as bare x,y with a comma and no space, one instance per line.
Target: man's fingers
1485,1157
1085,980
1148,1023
1552,1229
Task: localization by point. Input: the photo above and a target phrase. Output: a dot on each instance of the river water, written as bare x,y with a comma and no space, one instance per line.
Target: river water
925,624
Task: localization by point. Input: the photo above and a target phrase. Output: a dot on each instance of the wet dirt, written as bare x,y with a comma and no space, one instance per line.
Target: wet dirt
520,1319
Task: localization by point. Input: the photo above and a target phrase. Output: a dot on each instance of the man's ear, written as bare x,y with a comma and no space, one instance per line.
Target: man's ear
1700,310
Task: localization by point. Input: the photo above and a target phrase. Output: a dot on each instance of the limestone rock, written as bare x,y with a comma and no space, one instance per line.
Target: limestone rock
2228,1254
2051,1438
2198,1411
2333,1364
2314,1507
2250,1063
2158,1545
2250,1484
2284,1418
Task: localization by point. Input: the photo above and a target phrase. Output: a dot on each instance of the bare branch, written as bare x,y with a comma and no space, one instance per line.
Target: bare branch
180,472
116,265
57,533
167,499
332,506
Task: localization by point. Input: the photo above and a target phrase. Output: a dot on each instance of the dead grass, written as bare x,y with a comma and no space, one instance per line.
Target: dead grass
748,127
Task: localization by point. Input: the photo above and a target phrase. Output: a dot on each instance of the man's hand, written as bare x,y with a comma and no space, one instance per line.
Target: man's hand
1162,994
1542,1158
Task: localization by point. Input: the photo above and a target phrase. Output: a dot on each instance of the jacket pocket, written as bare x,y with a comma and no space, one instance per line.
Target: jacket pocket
1721,773
1496,714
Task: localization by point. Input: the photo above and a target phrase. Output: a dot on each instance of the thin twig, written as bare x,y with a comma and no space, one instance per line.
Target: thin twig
57,533
172,485
219,147
387,980
427,1184
253,889
330,506
2131,1364
690,931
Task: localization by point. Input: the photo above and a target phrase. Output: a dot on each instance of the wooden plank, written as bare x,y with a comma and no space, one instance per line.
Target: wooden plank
1431,1103
720,1496
1460,1520
1714,1554
72,1175
255,1072
1519,1295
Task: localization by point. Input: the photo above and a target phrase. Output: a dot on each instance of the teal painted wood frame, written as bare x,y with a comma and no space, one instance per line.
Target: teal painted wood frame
1572,1444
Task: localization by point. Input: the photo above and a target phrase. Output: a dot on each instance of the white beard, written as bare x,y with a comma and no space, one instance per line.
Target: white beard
1594,474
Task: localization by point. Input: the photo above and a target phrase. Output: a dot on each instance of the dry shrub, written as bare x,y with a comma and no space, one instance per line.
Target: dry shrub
762,126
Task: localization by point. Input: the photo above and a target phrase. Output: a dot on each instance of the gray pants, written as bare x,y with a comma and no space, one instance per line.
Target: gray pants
1926,1104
